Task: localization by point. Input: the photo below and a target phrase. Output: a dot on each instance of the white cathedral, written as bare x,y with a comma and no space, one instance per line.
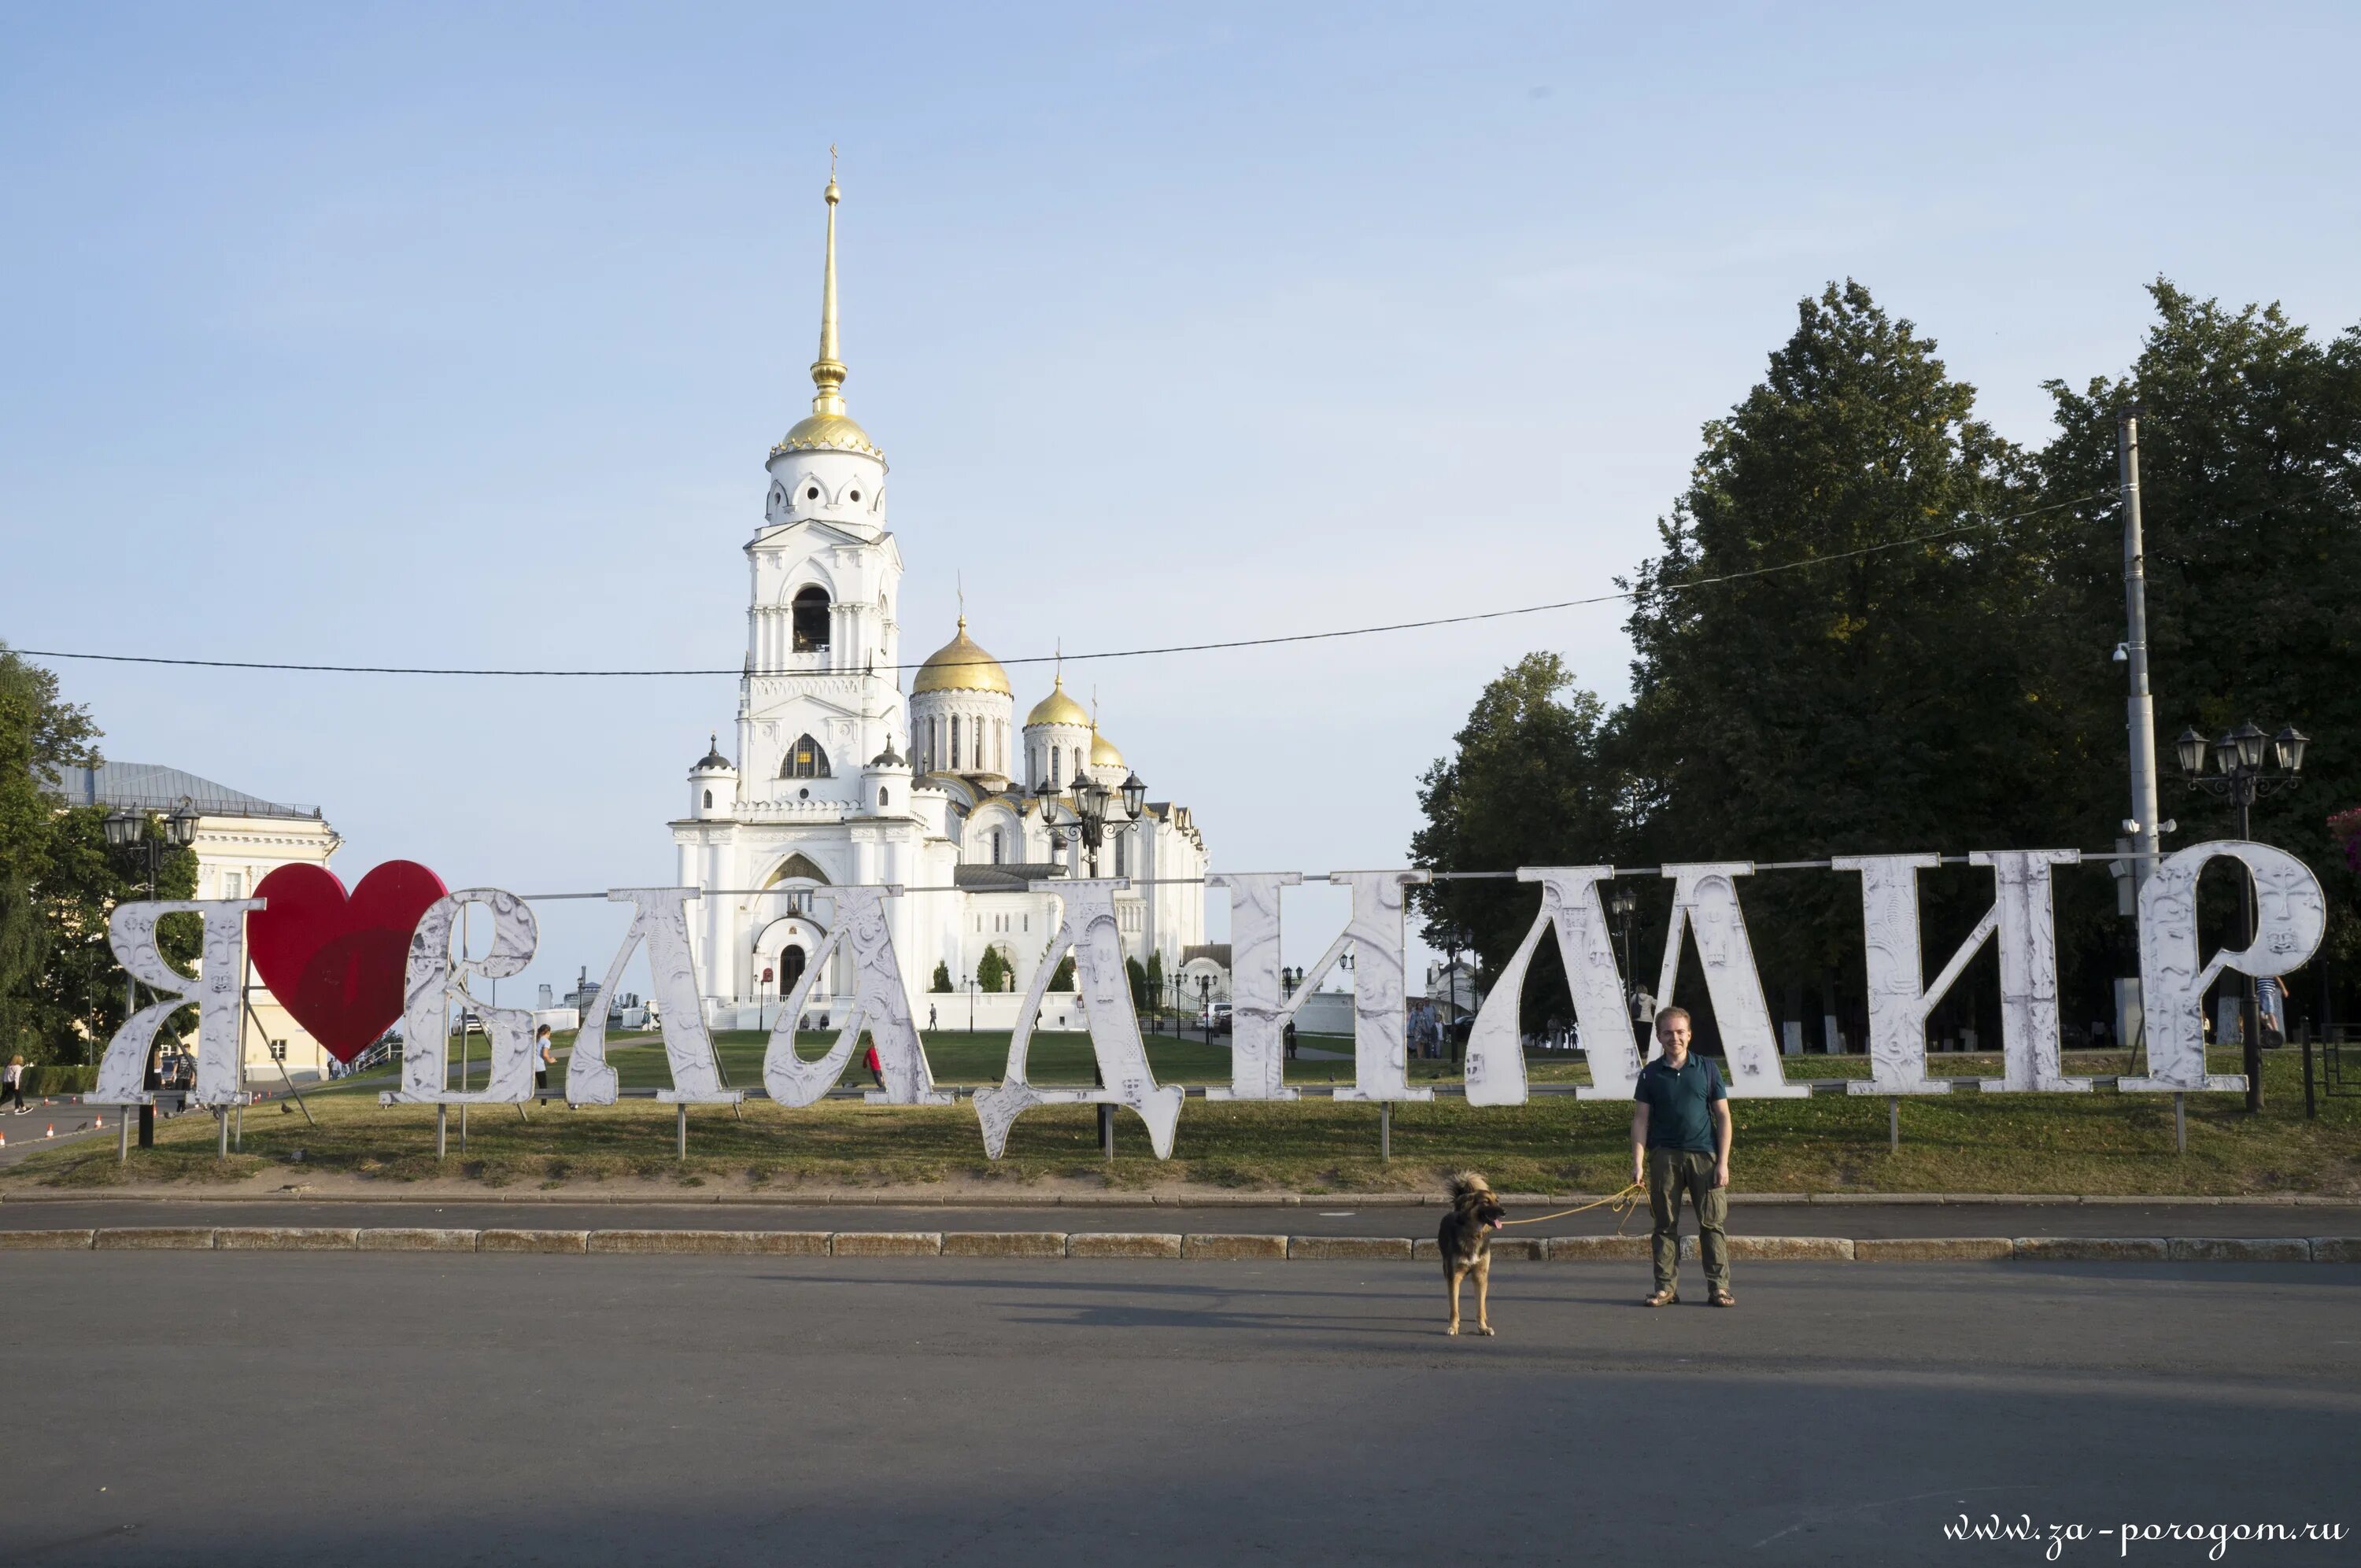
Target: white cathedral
840,780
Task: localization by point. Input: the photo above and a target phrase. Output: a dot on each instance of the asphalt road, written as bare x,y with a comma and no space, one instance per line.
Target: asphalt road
197,1408
1339,1216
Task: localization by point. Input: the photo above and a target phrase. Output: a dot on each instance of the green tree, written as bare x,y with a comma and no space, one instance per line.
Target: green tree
1903,699
61,993
1526,784
1156,978
1137,972
1062,978
942,975
991,971
2250,483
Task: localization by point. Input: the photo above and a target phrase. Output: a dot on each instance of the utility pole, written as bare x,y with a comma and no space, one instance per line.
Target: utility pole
2140,709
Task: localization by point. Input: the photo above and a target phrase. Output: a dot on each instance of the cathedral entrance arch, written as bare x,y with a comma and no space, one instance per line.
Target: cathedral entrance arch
791,967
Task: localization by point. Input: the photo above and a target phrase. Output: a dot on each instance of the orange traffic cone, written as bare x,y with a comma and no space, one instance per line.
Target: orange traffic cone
50,1131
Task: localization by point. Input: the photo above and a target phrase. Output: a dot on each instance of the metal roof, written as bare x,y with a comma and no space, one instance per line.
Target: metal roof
147,786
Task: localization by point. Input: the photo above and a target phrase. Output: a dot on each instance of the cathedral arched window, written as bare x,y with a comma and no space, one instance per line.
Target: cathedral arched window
812,619
709,800
1121,860
806,759
1057,763
995,845
955,740
881,800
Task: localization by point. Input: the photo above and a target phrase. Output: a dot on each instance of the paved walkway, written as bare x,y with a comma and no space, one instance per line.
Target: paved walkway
356,1409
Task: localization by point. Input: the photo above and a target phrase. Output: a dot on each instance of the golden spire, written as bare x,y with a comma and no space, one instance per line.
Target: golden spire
827,370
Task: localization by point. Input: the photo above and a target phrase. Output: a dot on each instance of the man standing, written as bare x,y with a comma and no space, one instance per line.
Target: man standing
1680,1142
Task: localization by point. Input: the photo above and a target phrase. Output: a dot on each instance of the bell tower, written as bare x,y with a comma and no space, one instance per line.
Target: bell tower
819,698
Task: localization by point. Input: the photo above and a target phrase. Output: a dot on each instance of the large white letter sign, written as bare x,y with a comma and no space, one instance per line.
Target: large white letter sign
1259,1008
2290,915
1496,1054
881,1004
1705,900
131,932
1900,999
2029,971
1088,928
1376,932
659,918
430,985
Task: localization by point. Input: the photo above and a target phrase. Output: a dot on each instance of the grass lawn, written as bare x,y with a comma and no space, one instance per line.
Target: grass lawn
2103,1142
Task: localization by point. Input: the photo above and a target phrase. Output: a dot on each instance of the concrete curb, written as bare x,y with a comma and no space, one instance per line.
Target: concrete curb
1358,1249
901,1199
1931,1249
1211,1246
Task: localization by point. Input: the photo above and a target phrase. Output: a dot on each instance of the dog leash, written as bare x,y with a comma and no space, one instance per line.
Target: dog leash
1623,1202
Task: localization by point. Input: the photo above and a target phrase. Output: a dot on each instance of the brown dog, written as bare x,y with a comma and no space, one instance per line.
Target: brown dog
1466,1239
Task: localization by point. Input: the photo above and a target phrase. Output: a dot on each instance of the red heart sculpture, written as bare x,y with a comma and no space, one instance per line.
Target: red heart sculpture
336,963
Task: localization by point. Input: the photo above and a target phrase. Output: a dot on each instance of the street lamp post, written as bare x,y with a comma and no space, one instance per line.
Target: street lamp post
176,830
2240,778
1089,800
1621,904
1206,997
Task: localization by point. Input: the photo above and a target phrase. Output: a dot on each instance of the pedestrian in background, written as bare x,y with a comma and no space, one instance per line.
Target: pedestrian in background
1680,1144
548,1058
12,1084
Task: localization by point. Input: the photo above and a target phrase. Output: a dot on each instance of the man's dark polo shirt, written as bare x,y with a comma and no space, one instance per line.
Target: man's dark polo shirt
1680,1114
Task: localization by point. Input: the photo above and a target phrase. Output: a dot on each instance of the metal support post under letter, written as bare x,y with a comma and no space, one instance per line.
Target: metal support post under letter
1107,1130
1894,1124
2180,1124
222,1152
123,1133
680,1128
1384,1129
442,1122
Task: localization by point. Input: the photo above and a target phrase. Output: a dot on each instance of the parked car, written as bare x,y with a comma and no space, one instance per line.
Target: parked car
1215,1018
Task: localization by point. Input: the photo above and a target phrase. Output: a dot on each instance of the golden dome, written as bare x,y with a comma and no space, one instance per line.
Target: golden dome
1057,708
828,428
959,665
1103,752
827,433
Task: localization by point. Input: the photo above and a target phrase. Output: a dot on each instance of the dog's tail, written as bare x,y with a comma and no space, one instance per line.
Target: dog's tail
1467,1181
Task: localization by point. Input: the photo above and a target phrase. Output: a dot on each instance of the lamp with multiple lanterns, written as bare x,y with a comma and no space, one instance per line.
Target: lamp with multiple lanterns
159,833
2240,778
1088,800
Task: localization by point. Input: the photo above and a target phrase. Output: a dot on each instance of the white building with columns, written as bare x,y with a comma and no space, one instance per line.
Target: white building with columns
838,777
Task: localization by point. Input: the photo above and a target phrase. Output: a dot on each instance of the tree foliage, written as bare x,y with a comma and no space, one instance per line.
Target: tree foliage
61,993
992,970
1938,676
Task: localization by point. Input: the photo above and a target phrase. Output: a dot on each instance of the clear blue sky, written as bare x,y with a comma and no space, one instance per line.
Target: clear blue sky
419,334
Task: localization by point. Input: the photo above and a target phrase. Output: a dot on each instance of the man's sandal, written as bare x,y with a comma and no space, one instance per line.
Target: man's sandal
1661,1298
1723,1299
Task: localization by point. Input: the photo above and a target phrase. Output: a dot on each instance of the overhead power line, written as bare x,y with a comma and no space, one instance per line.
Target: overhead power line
1688,585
